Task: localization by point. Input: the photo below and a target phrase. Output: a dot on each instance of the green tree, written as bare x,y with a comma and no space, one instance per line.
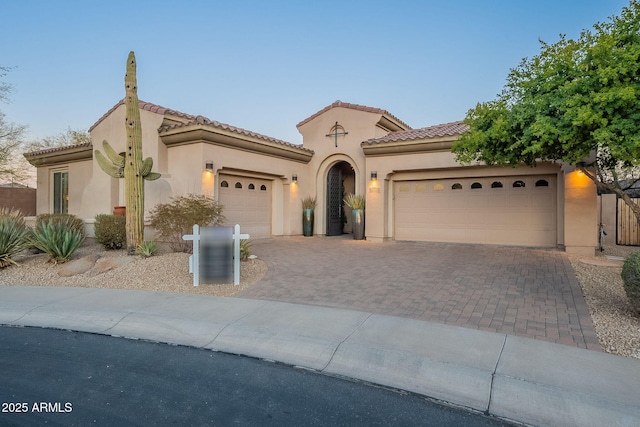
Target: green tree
11,141
577,101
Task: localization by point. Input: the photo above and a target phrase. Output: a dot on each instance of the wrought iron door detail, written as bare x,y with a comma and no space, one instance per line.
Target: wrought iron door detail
334,201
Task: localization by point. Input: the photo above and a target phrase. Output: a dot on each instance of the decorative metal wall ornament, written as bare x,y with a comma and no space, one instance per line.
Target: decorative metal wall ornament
336,131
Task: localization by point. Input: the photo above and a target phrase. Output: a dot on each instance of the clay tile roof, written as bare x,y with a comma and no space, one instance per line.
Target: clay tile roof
201,120
154,108
353,107
56,149
437,131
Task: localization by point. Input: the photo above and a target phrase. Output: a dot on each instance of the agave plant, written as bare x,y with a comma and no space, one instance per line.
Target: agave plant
245,249
147,248
58,239
14,235
354,202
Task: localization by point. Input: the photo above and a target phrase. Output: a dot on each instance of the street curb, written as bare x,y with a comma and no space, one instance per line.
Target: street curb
517,379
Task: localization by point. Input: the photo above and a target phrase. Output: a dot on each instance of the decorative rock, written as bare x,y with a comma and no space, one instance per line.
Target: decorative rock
78,266
105,264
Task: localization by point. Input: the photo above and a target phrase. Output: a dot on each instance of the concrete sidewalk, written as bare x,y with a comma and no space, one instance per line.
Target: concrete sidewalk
518,379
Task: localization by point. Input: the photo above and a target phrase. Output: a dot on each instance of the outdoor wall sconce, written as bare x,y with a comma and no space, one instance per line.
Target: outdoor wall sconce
374,176
208,166
294,178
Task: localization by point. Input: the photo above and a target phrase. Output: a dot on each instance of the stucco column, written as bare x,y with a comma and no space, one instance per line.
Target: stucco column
375,209
580,214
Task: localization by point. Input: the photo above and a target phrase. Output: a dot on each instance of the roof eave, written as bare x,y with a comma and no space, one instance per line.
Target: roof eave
198,133
56,157
409,146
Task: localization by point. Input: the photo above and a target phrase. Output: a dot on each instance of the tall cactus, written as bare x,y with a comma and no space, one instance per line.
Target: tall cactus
131,167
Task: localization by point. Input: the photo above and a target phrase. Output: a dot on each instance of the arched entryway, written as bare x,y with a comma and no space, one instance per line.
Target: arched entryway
340,181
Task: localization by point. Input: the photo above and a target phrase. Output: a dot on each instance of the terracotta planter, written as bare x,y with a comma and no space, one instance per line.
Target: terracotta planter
358,224
120,210
307,222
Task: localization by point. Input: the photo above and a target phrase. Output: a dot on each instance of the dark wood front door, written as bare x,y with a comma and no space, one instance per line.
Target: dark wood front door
334,201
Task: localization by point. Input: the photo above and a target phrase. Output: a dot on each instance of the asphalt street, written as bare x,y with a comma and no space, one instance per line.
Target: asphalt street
72,379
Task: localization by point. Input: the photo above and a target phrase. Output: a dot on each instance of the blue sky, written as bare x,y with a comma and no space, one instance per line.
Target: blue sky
267,65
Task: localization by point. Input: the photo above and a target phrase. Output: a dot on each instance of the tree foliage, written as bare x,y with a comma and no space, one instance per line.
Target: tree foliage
575,102
63,139
11,141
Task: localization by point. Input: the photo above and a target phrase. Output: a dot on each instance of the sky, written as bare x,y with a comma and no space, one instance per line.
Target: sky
267,65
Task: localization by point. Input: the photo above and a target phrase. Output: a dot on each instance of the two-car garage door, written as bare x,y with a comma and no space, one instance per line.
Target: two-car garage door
246,201
513,210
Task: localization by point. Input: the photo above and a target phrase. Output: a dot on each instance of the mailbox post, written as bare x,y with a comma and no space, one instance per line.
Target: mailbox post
216,252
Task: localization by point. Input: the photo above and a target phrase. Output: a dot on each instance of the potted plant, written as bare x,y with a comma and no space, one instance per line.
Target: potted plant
356,203
308,206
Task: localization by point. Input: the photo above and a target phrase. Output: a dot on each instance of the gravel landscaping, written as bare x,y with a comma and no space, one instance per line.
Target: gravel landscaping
616,324
92,267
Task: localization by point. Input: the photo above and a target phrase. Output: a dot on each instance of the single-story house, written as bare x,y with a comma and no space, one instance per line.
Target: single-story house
415,190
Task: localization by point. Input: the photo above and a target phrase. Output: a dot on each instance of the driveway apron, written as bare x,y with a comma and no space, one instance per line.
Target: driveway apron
527,292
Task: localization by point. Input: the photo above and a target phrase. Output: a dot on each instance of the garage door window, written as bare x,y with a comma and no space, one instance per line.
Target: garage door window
518,184
252,187
476,186
456,186
238,185
542,183
496,184
224,184
263,188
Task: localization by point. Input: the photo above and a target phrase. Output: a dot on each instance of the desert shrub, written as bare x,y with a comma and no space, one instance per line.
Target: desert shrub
71,220
147,248
175,219
14,235
631,279
111,231
57,238
245,249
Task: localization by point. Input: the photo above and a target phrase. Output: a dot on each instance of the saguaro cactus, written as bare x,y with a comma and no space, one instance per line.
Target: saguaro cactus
131,167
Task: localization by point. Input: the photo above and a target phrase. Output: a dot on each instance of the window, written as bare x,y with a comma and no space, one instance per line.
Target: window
61,192
476,186
263,188
438,187
252,187
224,184
496,184
518,184
542,183
456,186
238,185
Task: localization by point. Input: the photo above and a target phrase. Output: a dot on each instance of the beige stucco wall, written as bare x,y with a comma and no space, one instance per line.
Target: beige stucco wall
79,174
580,213
91,191
188,163
360,126
102,192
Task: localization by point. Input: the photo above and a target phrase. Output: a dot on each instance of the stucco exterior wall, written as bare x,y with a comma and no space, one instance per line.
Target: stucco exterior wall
360,126
181,150
580,214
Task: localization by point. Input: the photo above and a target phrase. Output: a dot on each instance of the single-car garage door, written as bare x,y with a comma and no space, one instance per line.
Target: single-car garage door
514,210
246,201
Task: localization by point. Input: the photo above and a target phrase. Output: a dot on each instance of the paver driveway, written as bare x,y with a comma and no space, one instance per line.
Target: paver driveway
517,291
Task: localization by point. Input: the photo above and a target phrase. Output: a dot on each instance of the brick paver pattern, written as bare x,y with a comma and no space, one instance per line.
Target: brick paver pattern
531,293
